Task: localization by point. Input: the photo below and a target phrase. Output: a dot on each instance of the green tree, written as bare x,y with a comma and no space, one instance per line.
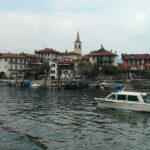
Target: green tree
44,67
87,70
110,70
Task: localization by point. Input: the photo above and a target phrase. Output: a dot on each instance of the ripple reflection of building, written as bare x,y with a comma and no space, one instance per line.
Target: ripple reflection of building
130,117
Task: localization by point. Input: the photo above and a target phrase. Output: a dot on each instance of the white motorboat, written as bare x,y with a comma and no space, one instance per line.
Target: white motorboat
136,101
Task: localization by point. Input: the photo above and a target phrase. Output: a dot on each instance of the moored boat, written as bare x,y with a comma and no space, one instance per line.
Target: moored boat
105,86
35,85
136,101
4,82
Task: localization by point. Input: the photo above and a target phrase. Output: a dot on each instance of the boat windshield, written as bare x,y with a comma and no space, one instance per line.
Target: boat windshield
112,97
146,99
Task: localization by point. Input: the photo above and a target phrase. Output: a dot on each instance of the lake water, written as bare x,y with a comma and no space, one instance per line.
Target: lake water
45,119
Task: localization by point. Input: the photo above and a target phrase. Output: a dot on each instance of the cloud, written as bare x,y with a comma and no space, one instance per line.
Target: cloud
117,27
138,24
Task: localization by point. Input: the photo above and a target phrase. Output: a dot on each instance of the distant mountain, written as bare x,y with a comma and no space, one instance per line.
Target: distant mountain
119,60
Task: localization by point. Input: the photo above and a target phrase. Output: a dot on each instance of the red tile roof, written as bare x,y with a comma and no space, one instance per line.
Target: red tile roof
67,58
11,55
63,62
102,52
47,50
28,55
136,56
70,53
85,57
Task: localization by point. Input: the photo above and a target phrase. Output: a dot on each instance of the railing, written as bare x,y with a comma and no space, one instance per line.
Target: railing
16,62
13,69
107,61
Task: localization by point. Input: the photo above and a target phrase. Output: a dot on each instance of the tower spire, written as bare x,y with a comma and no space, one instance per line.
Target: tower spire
78,37
78,44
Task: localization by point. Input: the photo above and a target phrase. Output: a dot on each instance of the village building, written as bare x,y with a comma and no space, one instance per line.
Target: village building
120,66
73,55
62,69
30,60
136,61
48,54
32,64
102,57
11,64
85,58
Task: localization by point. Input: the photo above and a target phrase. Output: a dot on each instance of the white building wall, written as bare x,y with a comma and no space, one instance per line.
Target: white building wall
68,75
11,65
105,58
4,66
49,56
115,60
53,69
78,47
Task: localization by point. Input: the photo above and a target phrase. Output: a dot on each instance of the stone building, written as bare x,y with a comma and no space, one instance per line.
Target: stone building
48,54
11,64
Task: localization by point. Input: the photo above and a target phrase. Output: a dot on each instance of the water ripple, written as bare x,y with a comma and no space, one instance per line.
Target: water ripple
67,120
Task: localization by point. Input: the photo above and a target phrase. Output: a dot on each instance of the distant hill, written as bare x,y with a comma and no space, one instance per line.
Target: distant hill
119,60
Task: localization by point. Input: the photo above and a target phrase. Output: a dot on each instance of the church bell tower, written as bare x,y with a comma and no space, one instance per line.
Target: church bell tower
78,44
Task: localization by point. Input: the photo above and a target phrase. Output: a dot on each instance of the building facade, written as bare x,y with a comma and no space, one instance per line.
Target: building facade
136,61
48,54
73,55
62,69
102,57
10,64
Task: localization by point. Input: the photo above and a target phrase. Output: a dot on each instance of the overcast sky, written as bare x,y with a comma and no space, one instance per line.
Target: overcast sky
120,25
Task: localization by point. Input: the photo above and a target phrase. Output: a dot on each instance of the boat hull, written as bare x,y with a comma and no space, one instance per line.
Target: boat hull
124,105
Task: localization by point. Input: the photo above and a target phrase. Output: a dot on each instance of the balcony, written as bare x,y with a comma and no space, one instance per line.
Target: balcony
13,69
107,61
16,62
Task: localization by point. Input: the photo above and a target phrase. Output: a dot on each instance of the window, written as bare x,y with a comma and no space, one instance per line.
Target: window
113,97
16,67
52,65
20,60
121,97
20,67
5,59
132,98
5,66
53,72
65,72
146,99
10,67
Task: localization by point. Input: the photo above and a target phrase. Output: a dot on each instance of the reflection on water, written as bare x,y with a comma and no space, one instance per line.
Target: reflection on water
35,119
